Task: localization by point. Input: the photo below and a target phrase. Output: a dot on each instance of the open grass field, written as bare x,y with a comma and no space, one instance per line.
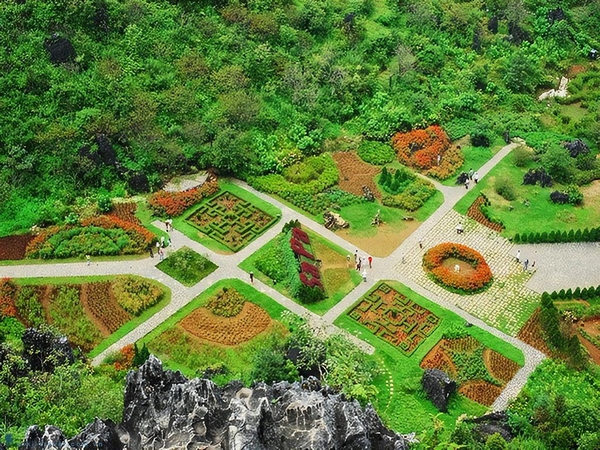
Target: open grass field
541,214
400,384
182,347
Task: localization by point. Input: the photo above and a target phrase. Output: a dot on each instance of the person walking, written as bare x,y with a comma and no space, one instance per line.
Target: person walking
252,277
356,256
476,177
370,262
470,173
364,275
525,265
88,258
467,183
518,255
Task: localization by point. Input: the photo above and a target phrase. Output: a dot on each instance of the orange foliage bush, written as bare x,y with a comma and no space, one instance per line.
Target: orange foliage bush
453,159
433,264
125,358
8,290
173,204
421,148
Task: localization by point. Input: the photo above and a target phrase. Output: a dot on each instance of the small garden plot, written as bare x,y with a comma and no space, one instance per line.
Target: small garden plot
304,271
394,318
13,247
86,312
403,189
227,319
355,174
125,211
221,330
230,220
187,266
481,373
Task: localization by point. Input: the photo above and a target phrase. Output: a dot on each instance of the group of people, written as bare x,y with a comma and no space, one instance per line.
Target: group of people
474,176
525,263
361,262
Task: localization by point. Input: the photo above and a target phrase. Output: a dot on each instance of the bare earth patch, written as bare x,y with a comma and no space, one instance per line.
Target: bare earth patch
384,241
355,173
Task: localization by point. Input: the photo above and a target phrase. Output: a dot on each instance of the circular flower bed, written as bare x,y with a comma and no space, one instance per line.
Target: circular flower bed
468,283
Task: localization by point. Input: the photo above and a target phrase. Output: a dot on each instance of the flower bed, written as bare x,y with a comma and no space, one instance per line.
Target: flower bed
96,236
230,331
309,273
476,281
230,220
100,301
172,204
395,318
125,211
476,213
7,298
480,372
13,247
422,149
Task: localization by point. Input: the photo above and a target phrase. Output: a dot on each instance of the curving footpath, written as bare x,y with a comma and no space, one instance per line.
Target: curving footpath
395,267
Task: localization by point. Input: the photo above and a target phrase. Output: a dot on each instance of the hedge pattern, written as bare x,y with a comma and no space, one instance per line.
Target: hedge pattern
395,318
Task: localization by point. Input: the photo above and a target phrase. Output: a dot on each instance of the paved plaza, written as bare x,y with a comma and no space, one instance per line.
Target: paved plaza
501,309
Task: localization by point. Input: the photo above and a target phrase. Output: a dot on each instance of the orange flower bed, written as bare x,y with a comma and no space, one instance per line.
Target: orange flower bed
8,290
421,148
173,204
477,280
230,331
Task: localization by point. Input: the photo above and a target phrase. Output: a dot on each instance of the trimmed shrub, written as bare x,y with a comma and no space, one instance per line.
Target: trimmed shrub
376,153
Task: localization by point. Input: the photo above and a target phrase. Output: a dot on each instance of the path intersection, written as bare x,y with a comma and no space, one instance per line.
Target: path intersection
499,310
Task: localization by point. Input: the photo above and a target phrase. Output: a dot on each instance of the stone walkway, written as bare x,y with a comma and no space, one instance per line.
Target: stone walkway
497,306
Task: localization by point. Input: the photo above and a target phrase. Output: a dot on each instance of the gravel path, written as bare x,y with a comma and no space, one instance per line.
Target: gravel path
402,265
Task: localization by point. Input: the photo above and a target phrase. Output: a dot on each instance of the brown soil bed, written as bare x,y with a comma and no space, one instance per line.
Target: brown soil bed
531,333
384,242
101,307
355,173
593,351
230,331
499,366
13,247
480,391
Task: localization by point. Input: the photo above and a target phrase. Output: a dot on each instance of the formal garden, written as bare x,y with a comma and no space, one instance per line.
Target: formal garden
219,332
91,311
304,266
480,362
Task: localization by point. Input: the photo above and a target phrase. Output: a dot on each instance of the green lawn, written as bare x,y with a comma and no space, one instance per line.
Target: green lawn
341,279
404,393
187,266
541,214
475,157
191,360
181,224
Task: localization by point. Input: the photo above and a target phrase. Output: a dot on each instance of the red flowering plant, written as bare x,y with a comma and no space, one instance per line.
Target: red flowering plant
299,249
172,204
309,273
467,282
427,150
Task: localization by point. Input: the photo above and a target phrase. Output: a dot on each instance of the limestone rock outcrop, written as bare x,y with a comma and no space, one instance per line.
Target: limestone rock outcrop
438,386
165,410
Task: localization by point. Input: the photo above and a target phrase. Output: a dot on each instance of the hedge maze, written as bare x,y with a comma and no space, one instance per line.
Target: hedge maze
230,220
395,318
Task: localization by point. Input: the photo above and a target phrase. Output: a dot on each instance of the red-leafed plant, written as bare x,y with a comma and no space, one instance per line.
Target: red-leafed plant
172,204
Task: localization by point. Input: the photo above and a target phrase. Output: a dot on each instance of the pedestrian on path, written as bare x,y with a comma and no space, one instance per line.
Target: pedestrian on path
518,255
364,275
467,183
88,258
161,253
525,264
356,256
459,228
370,262
162,241
471,173
420,243
169,224
150,250
476,177
252,277
358,265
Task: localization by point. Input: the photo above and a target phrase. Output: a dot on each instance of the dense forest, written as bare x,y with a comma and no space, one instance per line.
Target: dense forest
105,98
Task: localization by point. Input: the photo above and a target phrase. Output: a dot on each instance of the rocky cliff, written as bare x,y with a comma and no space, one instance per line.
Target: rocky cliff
164,410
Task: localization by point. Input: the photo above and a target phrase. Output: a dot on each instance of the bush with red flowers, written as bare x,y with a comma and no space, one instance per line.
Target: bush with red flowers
470,283
421,148
172,204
